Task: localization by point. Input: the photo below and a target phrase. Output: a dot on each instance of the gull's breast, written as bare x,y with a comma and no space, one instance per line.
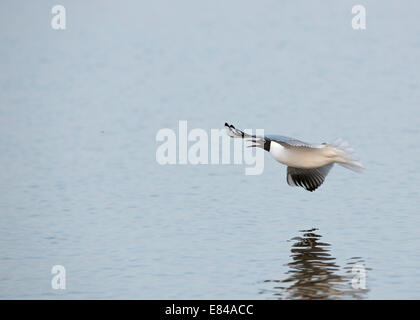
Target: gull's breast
299,157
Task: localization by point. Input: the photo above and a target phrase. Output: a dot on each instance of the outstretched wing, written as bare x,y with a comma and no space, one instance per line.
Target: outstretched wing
290,142
286,142
236,133
310,179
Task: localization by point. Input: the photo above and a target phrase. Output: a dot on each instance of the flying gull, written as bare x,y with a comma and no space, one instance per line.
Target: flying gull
307,163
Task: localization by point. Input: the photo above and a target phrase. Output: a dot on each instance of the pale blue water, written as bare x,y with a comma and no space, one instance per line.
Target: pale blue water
80,186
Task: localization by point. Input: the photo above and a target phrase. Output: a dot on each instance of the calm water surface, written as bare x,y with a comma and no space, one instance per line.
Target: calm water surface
80,186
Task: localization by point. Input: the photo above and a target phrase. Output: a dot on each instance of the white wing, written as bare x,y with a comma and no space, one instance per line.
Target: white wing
291,142
283,140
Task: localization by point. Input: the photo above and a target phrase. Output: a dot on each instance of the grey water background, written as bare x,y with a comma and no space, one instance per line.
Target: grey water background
80,186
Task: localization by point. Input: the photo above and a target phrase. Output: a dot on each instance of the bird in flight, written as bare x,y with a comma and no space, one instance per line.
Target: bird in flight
307,164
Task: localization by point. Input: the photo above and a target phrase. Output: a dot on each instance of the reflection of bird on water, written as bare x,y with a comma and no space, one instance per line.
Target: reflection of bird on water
313,272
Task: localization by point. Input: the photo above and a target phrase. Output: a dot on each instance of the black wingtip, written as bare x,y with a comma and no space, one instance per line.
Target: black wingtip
229,125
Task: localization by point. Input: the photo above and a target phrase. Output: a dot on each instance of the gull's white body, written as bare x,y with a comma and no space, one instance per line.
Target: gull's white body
306,158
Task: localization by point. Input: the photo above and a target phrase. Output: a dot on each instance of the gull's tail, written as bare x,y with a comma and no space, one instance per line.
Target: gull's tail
345,155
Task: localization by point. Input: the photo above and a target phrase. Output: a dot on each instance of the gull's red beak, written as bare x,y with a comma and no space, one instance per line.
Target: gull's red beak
254,145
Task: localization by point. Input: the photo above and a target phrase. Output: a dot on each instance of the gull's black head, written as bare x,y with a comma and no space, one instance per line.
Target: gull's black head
267,144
